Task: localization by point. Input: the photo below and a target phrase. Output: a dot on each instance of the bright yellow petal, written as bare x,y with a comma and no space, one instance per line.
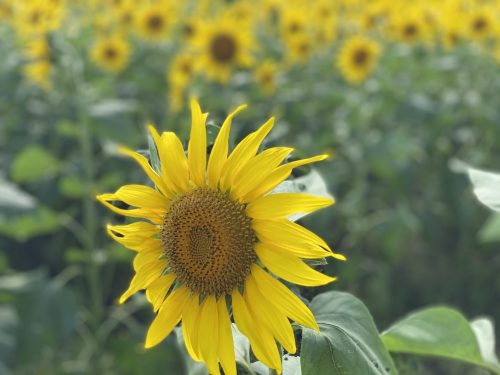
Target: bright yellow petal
286,233
283,299
208,334
174,165
156,216
137,236
257,168
246,149
276,177
143,278
143,162
281,205
197,148
158,289
142,196
168,316
274,319
262,341
218,155
226,346
291,268
191,326
147,256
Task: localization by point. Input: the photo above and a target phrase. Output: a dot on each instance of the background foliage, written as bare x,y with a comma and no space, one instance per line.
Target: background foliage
412,230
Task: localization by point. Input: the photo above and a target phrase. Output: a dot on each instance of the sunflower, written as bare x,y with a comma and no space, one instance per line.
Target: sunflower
480,24
224,45
358,58
38,73
210,236
410,27
183,69
153,21
265,75
111,53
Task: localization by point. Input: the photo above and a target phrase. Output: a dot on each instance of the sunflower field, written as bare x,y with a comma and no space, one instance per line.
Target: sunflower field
161,163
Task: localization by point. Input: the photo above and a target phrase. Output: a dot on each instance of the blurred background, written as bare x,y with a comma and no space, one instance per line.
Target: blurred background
395,91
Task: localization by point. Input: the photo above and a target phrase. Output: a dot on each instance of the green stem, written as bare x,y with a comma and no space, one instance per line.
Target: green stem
89,221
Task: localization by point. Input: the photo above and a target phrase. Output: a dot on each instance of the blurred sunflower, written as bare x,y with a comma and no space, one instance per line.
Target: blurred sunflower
357,58
153,21
37,17
213,238
481,24
38,73
299,48
37,48
183,69
111,53
294,22
409,27
265,75
224,45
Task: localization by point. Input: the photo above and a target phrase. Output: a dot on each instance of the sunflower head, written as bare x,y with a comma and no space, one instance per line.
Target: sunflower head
358,58
111,53
480,24
224,45
38,73
210,234
265,75
153,21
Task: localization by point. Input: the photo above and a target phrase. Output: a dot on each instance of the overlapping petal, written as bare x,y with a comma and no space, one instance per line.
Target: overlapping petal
218,155
168,316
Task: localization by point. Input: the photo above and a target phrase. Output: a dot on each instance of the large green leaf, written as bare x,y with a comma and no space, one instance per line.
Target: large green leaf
444,332
348,342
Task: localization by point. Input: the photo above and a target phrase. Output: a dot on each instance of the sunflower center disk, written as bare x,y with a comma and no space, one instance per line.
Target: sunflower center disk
223,48
208,242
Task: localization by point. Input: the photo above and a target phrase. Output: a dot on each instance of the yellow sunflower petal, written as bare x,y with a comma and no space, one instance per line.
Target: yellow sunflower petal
283,232
142,196
291,268
256,169
168,316
274,319
174,165
243,152
191,326
262,341
143,162
283,299
142,279
197,147
147,256
277,206
158,289
208,335
276,177
218,155
143,213
136,236
226,346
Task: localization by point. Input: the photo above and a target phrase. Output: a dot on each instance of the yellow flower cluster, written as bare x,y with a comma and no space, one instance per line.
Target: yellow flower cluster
216,39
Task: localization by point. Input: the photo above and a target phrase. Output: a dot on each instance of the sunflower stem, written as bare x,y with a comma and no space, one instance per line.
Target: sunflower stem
89,220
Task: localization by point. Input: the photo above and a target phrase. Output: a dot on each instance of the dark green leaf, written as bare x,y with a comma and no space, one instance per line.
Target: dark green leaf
348,342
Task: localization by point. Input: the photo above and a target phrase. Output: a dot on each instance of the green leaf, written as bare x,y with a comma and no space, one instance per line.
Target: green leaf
348,342
443,332
490,231
32,164
72,187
